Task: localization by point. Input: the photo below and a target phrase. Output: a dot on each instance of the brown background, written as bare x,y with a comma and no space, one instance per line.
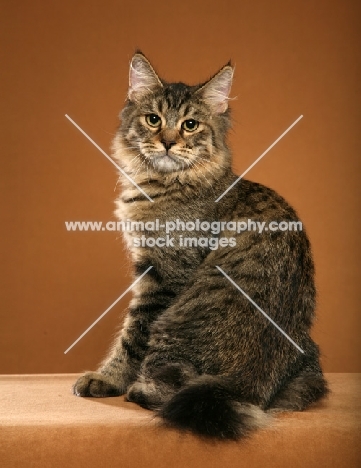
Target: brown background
72,57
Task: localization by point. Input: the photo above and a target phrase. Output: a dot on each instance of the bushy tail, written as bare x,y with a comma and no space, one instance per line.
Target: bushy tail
207,407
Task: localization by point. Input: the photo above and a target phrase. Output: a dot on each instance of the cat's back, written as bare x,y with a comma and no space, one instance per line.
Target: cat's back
261,202
270,242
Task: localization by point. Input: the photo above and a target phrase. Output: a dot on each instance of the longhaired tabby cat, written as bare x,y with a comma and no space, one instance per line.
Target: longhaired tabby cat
193,348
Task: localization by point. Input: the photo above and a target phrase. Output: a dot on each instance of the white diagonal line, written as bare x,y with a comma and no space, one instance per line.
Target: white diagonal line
108,309
258,159
257,307
108,157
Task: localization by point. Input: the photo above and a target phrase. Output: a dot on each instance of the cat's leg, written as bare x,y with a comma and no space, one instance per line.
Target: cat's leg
155,386
302,390
120,368
122,365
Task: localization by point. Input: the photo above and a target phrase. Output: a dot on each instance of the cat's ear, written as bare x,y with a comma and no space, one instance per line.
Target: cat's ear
215,92
142,78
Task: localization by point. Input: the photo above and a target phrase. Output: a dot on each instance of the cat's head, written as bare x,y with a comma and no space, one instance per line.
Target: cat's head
172,129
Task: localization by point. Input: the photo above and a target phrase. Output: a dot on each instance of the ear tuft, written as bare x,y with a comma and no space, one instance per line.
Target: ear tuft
142,77
216,91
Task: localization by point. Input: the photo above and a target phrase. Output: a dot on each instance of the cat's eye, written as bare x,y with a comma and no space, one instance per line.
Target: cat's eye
153,120
190,125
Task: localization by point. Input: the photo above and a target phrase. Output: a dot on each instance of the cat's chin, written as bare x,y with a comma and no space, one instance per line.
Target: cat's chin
167,163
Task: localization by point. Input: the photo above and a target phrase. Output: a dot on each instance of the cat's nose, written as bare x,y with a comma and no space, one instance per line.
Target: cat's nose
168,144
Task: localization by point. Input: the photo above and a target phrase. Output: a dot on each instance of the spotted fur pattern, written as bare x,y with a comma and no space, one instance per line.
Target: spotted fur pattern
192,347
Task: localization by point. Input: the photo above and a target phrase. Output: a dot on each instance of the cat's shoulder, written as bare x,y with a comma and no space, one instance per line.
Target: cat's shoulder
248,188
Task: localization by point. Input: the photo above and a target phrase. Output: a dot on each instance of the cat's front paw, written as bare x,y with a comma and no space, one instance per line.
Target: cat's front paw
94,384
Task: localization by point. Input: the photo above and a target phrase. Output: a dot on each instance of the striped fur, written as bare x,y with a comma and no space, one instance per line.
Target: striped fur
193,348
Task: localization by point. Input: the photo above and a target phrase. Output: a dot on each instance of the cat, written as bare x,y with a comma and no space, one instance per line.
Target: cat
193,348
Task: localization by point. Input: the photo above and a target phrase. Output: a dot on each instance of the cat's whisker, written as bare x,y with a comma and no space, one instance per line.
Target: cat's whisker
206,168
195,168
205,178
212,162
116,183
148,167
136,156
139,167
136,167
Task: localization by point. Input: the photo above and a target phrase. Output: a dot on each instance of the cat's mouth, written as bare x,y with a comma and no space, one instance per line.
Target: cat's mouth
167,163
